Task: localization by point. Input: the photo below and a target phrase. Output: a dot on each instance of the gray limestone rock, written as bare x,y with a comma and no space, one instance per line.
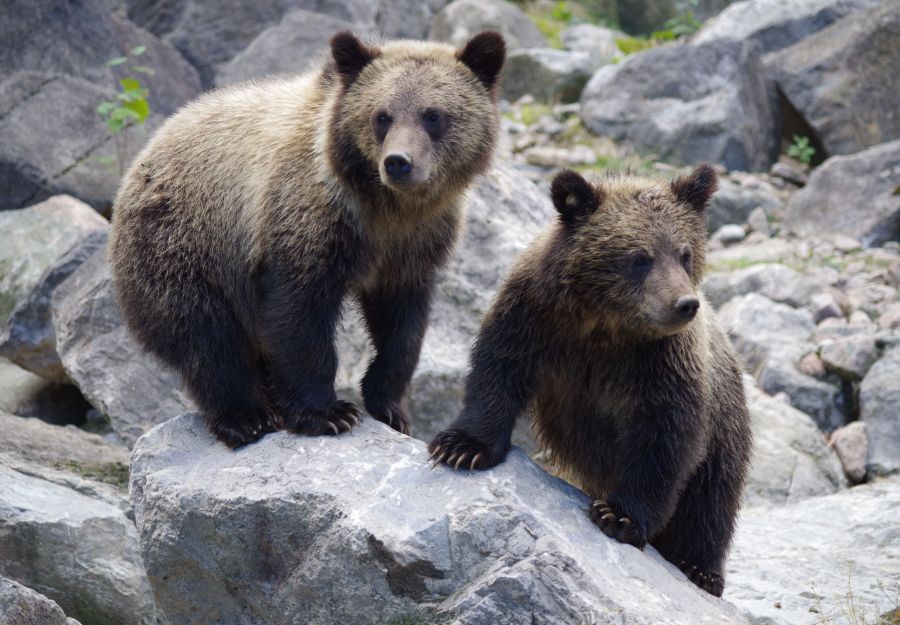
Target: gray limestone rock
79,551
843,79
776,24
852,447
797,564
358,529
546,74
460,20
20,605
879,403
851,195
790,458
775,281
689,104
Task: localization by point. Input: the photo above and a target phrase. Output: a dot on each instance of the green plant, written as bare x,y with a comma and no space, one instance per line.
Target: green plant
129,107
630,45
561,12
801,150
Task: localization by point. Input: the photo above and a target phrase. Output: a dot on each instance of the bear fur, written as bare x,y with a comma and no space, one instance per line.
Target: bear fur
601,333
256,210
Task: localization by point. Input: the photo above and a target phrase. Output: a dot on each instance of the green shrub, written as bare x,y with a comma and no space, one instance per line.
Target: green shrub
801,150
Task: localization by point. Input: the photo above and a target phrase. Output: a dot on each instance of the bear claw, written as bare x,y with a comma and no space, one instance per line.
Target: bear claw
339,417
243,430
459,450
393,415
712,583
616,525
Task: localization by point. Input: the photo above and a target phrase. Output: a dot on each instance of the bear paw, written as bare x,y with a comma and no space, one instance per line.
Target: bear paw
334,419
237,430
460,451
616,525
713,583
391,414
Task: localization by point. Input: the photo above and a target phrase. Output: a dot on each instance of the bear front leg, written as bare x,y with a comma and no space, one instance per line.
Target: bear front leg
650,484
301,306
503,371
397,319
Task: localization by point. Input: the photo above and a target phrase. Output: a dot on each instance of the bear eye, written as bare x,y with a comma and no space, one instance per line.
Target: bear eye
381,122
382,119
435,123
686,257
640,264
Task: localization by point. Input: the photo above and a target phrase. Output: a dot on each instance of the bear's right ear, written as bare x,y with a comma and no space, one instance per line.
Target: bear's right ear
484,55
574,197
696,188
350,55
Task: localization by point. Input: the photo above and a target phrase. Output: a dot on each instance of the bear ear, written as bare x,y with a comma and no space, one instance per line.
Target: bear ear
574,197
484,55
350,55
697,188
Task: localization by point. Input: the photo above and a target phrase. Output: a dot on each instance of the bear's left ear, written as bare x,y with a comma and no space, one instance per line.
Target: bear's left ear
574,197
484,55
350,55
697,188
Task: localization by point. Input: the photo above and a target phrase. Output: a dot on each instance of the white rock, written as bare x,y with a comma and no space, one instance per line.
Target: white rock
852,447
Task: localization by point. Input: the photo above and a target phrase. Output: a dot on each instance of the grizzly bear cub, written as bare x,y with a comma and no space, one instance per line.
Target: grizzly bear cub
601,332
256,210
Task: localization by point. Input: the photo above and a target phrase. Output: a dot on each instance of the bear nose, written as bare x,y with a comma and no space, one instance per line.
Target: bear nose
398,165
686,307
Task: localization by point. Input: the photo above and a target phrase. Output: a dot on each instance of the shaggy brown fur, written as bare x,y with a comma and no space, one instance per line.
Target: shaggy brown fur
256,209
600,330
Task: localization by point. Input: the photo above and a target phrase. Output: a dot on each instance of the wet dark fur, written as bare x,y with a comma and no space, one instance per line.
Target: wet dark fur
255,211
649,419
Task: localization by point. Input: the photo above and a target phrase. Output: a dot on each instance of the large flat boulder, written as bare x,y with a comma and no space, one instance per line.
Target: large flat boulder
78,550
853,195
53,57
358,529
843,79
688,104
818,561
776,24
20,605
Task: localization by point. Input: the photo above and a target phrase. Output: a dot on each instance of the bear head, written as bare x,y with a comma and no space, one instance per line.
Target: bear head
417,118
632,250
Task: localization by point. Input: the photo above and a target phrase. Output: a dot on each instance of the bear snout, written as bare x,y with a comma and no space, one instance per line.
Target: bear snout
398,166
686,307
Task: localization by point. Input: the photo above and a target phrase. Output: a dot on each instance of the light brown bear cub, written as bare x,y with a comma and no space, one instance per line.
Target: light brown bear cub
256,210
600,330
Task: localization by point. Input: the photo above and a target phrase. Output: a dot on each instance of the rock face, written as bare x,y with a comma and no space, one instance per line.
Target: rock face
99,355
775,24
795,565
852,195
80,551
879,398
291,46
688,103
775,281
28,395
33,238
29,339
790,459
22,606
460,20
210,34
546,74
503,213
733,203
842,80
284,525
53,62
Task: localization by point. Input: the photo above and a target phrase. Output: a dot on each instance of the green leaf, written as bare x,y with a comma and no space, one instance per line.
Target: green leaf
130,84
114,125
105,107
663,35
138,50
143,70
117,61
140,108
122,113
105,160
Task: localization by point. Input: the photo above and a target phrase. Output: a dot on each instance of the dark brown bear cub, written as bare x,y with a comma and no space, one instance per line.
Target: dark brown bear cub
601,333
257,210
